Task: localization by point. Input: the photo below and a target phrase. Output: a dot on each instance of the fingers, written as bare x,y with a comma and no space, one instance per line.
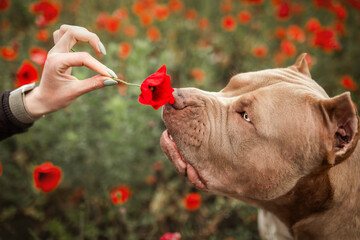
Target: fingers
63,61
87,85
56,36
67,36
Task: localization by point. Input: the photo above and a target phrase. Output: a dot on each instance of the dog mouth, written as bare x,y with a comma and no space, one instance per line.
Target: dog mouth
182,167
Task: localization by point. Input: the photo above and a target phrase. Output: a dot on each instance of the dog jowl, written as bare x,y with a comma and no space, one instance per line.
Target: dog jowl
276,140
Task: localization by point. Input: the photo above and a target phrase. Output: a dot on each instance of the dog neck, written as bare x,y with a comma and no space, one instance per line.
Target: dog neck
331,194
311,195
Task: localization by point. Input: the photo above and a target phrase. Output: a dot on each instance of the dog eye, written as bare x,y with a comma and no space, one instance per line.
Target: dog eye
245,116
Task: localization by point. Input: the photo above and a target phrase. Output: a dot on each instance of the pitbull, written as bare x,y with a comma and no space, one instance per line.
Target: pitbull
273,139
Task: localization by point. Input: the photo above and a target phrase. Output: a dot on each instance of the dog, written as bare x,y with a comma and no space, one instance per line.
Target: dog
275,140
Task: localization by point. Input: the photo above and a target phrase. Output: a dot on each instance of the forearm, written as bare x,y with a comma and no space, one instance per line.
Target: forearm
14,117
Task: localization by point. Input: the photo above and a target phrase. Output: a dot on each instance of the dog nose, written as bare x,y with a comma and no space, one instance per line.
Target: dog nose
180,101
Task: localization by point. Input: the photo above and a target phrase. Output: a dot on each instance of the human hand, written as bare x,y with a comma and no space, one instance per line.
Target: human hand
58,88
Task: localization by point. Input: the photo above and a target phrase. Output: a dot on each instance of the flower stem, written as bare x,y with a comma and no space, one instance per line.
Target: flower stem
129,84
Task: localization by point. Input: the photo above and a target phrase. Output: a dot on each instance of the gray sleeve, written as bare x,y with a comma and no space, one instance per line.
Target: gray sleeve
18,108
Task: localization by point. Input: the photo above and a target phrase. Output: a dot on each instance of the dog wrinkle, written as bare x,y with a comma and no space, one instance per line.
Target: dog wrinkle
248,82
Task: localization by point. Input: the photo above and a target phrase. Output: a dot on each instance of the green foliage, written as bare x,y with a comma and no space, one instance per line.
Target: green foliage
105,139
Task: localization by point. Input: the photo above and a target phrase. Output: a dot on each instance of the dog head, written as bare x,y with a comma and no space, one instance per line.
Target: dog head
260,134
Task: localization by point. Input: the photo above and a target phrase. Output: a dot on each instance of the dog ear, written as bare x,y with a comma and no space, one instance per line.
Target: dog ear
342,121
301,65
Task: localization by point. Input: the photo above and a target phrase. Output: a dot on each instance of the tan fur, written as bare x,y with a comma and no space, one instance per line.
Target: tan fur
297,158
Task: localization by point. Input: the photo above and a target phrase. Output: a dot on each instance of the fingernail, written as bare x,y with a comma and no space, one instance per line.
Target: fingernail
102,48
111,72
110,82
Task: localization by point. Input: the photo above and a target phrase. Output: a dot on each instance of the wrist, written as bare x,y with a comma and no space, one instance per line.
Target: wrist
35,104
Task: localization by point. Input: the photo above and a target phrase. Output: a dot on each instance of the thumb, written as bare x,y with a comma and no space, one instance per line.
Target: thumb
93,83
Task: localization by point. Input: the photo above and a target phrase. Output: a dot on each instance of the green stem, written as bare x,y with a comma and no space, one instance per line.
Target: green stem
129,84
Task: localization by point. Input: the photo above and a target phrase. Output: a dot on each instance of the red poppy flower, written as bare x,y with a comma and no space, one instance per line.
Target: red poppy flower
102,20
355,4
197,74
340,11
153,33
260,51
4,4
0,169
158,166
38,55
121,87
124,50
296,33
279,58
120,195
348,83
313,25
151,124
171,236
226,6
297,8
121,13
276,2
176,5
26,74
156,89
283,11
326,39
192,201
49,12
203,23
228,23
288,48
161,12
42,35
130,31
244,17
15,45
280,32
323,3
146,19
112,24
339,27
8,53
191,14
139,7
47,177
150,179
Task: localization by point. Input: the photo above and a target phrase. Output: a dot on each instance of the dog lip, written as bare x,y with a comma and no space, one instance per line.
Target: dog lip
194,177
184,168
169,148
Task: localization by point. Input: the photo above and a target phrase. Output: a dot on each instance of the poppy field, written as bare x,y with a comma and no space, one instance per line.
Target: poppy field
95,170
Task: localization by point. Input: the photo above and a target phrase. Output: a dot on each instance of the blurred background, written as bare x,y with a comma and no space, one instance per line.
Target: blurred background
116,182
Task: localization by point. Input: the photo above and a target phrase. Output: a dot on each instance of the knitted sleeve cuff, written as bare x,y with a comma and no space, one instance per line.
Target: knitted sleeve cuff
18,108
